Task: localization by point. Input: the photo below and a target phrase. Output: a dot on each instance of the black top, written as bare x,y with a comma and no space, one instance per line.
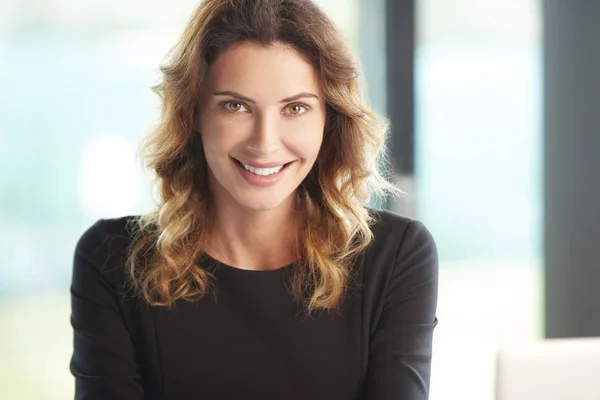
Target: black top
249,341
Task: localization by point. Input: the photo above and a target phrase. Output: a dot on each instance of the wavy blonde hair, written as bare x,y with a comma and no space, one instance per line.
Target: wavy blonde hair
169,242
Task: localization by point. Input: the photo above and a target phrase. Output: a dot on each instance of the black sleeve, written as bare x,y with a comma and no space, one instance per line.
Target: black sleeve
399,362
103,361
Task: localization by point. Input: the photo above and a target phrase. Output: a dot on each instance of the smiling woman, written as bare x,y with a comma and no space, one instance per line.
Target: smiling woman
264,138
262,273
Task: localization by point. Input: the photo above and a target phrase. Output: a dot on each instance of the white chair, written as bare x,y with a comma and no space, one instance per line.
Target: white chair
553,369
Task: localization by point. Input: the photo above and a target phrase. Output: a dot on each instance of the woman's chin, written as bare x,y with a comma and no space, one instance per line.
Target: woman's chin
263,201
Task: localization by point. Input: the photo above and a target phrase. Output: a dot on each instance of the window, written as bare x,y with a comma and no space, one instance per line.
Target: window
478,181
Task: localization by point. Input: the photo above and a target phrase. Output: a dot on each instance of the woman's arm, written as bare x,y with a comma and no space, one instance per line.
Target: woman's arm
103,361
400,347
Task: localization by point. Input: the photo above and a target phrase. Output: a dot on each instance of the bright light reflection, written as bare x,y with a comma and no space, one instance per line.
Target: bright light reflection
110,177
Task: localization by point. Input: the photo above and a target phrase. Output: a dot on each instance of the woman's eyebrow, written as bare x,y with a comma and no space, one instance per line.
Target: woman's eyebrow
234,94
249,100
299,96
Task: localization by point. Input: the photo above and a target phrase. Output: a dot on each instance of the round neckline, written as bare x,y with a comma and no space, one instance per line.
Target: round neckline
219,265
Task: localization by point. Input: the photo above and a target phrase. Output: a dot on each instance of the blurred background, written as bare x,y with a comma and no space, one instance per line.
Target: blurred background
462,81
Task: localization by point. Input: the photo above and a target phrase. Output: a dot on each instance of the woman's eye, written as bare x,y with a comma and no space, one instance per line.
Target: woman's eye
235,106
296,109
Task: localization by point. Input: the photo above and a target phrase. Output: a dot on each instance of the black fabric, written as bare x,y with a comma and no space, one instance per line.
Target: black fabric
250,340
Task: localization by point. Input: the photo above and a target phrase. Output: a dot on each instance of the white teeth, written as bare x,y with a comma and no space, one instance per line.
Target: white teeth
262,171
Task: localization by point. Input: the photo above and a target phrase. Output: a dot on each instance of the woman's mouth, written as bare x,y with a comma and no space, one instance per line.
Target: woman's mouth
271,170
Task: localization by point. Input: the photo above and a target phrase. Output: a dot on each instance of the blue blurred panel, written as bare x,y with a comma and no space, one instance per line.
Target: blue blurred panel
479,148
58,93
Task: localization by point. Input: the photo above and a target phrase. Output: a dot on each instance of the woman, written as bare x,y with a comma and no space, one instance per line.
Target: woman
261,274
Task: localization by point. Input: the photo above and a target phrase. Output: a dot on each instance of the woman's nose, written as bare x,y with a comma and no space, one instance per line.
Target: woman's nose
265,135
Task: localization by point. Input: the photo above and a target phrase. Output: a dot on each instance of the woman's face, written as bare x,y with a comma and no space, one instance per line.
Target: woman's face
261,121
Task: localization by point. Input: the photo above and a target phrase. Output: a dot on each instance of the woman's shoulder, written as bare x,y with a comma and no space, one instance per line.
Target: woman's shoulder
398,240
104,233
390,226
104,246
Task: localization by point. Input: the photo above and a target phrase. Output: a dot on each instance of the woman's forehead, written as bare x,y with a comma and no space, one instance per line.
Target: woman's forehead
263,72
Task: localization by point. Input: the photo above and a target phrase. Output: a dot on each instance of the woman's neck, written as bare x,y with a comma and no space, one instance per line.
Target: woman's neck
254,240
